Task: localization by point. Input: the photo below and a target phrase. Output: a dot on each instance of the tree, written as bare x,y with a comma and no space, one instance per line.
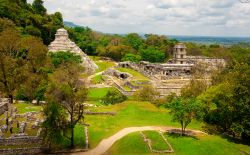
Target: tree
113,97
60,57
54,123
69,92
185,110
11,69
152,55
34,52
132,58
147,93
134,40
38,7
6,24
116,52
229,100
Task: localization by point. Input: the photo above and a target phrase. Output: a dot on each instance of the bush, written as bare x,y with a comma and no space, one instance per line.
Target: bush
147,93
131,57
113,97
59,57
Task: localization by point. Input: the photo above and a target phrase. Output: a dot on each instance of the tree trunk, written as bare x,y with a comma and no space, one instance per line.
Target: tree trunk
72,136
11,98
72,129
182,128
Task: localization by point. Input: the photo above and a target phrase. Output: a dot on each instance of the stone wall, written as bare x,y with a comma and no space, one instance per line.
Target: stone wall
3,107
21,151
25,140
21,145
162,71
124,92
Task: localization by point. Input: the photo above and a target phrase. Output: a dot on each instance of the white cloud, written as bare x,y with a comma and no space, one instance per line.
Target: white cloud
182,17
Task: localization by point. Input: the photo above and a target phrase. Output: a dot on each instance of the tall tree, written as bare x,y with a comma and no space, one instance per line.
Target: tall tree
134,40
185,110
11,68
38,7
69,92
230,103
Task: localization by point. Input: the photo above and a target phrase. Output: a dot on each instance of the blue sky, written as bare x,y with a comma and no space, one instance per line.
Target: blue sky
170,17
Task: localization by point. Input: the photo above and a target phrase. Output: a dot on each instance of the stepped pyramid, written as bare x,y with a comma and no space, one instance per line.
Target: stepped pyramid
63,43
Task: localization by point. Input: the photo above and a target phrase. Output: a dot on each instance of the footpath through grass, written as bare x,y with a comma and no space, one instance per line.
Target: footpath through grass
129,114
182,145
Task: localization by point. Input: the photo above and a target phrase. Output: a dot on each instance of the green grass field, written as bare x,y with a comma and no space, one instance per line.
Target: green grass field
94,58
27,107
202,145
129,114
157,141
134,113
97,79
103,65
136,75
95,94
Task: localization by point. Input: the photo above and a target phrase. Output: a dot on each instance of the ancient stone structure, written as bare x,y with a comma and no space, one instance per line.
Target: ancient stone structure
3,107
179,54
116,73
63,43
176,73
179,67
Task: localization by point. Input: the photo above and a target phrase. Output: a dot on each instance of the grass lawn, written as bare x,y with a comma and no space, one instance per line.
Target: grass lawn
96,94
157,141
135,74
129,114
27,107
103,65
126,88
131,144
94,58
97,79
202,145
79,138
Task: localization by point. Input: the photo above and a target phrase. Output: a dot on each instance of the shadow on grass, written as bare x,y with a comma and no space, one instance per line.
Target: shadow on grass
234,140
179,135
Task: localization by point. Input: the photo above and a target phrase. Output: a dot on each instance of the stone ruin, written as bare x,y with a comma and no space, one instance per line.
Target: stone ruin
180,66
63,43
172,76
117,74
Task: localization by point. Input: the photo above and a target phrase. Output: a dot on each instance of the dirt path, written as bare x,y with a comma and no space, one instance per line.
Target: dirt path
105,144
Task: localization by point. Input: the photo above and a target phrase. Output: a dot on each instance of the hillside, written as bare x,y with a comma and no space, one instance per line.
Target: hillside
31,19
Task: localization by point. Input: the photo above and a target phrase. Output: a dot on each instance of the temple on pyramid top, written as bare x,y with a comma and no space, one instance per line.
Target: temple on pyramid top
63,43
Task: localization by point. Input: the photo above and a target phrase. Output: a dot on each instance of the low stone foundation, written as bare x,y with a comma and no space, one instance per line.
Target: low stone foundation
149,144
21,151
24,140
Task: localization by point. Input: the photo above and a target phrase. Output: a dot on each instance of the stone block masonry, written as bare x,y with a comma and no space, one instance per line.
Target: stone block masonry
3,107
63,43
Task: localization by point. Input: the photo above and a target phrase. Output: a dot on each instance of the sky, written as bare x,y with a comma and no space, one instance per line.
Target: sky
166,17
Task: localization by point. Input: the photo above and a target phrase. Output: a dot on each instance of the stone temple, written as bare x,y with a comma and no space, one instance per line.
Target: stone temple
63,43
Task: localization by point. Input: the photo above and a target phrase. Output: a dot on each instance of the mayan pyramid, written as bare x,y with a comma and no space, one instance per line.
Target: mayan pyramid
63,43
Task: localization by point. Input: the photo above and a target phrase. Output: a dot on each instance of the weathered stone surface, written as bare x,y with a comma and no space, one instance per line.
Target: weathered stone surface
4,128
3,107
63,43
118,74
22,127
